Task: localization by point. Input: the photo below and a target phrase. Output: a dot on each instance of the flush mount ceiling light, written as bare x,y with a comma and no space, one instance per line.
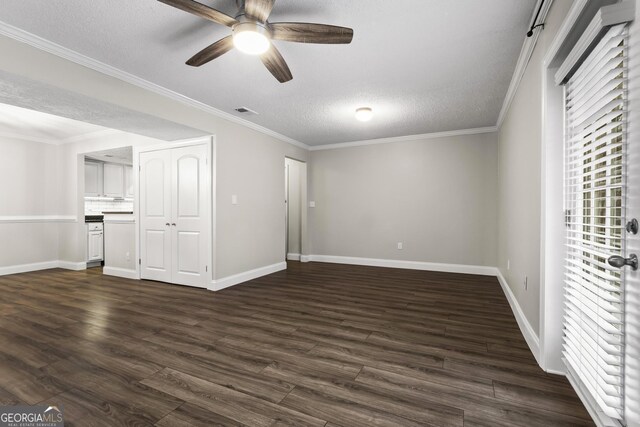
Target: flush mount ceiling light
251,38
364,114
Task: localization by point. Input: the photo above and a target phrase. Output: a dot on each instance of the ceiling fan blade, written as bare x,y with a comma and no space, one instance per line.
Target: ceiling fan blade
211,52
258,9
301,32
202,11
276,65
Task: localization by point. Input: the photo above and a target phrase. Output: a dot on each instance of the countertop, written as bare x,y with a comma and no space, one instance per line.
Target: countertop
117,212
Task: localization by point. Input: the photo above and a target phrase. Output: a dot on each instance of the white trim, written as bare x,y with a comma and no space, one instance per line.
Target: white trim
37,266
75,266
70,55
21,137
406,138
411,265
293,257
225,282
565,29
37,219
606,17
120,272
523,60
49,141
556,372
525,327
305,258
23,268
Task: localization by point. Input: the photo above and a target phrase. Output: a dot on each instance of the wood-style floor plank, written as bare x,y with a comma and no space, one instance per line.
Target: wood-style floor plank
317,345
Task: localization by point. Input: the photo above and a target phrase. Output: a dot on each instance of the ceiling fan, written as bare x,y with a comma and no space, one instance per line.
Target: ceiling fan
252,33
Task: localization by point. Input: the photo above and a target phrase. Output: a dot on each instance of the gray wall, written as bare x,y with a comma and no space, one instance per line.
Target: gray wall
437,196
28,187
520,179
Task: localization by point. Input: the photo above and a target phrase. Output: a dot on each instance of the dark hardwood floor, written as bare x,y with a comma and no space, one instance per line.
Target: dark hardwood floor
316,345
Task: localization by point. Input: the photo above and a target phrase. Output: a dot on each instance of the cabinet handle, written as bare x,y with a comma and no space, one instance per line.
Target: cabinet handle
167,224
173,223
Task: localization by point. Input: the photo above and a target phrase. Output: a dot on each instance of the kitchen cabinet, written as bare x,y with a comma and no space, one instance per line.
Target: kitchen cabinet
128,182
93,175
113,180
95,242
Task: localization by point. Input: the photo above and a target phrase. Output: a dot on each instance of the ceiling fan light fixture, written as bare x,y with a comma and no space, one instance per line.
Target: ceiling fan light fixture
364,114
251,38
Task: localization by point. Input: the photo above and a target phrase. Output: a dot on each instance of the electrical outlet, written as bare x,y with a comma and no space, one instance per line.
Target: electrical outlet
508,264
526,282
399,246
127,256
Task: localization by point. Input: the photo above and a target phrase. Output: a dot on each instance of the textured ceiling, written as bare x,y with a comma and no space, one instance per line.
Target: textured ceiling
42,127
423,65
35,97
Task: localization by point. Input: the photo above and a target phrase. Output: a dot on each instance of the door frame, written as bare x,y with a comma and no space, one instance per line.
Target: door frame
210,142
304,209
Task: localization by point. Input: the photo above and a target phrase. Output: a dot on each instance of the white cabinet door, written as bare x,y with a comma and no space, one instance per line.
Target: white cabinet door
113,180
128,182
95,246
190,237
92,179
155,215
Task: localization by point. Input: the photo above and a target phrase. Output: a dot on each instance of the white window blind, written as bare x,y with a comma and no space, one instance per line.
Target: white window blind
594,202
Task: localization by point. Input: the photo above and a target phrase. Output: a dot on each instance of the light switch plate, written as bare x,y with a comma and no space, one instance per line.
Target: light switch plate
234,199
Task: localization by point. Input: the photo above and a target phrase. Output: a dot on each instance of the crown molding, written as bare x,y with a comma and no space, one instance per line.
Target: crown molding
22,137
51,141
73,56
407,138
523,60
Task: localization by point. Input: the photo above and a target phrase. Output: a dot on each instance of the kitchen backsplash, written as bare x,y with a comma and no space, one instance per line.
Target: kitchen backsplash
95,206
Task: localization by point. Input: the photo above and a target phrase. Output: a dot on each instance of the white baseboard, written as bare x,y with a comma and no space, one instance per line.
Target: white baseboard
293,257
305,258
36,266
525,327
120,272
75,266
556,372
23,268
225,282
411,265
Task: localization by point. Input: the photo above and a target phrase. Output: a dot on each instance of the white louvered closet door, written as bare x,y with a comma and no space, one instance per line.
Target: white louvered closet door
595,171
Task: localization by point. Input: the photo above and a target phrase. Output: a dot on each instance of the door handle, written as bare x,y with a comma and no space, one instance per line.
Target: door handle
619,262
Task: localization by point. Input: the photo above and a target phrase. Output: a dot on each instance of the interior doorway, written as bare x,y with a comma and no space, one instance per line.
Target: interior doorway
295,208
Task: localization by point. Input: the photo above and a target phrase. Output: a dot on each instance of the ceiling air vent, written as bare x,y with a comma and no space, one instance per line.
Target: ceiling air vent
246,111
